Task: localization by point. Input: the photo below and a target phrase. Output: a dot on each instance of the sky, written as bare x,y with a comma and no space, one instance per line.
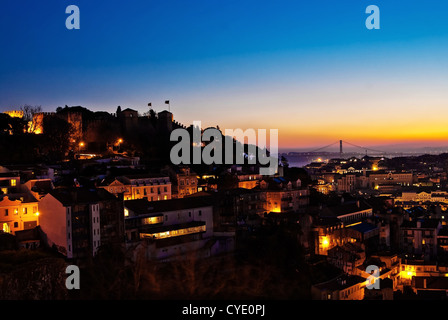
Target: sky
310,69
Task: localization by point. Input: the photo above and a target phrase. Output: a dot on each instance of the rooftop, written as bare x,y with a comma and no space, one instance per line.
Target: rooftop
143,206
364,227
340,283
424,224
344,208
70,196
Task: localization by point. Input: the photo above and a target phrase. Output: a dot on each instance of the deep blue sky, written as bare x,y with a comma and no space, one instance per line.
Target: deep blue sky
235,63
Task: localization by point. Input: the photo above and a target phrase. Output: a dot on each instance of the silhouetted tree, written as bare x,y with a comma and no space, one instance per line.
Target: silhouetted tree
57,136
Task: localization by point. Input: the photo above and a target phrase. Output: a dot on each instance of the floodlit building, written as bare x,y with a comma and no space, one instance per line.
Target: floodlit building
139,186
18,207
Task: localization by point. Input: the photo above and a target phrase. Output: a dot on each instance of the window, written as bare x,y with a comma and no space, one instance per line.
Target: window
25,210
16,224
200,212
6,212
165,189
13,182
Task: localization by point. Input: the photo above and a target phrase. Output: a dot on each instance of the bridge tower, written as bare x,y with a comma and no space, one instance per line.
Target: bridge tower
340,148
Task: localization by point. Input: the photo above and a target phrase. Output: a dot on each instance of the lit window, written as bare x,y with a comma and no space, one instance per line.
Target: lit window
13,182
126,212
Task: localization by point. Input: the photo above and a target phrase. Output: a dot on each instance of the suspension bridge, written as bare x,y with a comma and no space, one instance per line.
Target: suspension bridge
356,149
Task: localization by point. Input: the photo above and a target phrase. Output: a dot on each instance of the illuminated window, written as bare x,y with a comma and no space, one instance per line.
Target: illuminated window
5,190
13,182
6,228
126,212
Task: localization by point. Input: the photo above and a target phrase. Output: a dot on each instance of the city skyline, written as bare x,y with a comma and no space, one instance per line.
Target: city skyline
312,71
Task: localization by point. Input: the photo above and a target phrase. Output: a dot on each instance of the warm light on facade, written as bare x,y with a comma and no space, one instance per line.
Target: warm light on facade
325,242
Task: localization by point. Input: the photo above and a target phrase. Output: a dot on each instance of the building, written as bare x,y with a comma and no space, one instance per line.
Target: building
410,268
249,181
430,287
344,287
18,212
77,221
173,228
139,186
347,257
328,232
348,212
284,196
419,237
186,183
18,207
388,178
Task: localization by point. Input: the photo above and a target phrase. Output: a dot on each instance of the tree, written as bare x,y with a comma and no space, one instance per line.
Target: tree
28,116
118,112
57,133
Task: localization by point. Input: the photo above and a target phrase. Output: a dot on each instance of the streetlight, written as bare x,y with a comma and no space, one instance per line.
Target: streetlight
80,145
119,141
